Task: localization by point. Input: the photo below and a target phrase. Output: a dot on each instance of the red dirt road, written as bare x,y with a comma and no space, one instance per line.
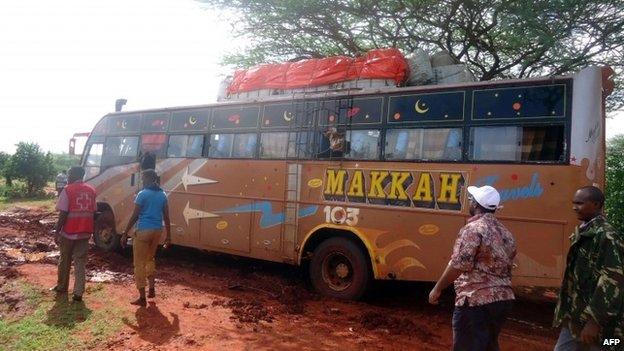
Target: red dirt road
208,301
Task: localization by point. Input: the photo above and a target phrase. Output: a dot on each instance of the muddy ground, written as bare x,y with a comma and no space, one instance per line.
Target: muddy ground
210,301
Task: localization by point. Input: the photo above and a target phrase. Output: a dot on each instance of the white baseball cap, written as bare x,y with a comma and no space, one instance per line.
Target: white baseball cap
486,196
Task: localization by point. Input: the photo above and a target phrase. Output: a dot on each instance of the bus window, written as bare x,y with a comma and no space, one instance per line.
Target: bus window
120,150
93,160
514,143
543,143
185,146
245,145
331,144
299,148
233,145
363,144
221,145
154,143
434,144
274,145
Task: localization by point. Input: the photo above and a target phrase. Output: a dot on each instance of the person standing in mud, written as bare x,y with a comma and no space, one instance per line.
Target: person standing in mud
76,206
480,267
61,182
149,210
591,300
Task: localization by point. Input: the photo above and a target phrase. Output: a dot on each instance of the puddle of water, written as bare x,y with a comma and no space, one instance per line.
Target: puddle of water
15,254
106,276
20,256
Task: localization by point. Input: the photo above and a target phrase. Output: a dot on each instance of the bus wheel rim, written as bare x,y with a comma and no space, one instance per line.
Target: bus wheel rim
337,271
106,235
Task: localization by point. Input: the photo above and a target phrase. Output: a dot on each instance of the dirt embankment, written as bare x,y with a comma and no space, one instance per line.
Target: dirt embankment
209,301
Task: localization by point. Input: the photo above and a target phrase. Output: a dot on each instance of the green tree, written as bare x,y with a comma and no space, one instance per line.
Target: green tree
496,38
64,161
4,160
614,202
5,168
32,166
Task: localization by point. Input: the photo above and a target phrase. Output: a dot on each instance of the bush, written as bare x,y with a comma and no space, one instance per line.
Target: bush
4,164
32,166
614,192
15,191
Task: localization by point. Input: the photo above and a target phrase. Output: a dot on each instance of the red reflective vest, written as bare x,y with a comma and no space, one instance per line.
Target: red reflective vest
81,198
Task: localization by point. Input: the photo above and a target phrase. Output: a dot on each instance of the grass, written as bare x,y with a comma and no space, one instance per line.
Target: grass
46,202
54,323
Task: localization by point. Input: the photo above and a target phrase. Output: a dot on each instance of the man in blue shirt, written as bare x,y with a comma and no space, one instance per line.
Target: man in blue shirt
150,208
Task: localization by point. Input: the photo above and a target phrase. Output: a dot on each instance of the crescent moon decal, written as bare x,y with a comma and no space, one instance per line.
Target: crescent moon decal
420,109
288,116
192,120
124,124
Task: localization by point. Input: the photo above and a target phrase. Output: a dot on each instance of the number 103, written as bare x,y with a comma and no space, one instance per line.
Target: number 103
341,215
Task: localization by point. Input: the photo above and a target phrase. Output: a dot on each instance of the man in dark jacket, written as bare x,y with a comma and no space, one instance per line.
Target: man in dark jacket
591,300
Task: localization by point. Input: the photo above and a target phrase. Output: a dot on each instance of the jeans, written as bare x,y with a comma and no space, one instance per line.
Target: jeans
476,328
567,342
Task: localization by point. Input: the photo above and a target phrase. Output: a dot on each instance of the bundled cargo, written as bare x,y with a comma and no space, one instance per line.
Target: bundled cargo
379,64
376,69
452,74
420,71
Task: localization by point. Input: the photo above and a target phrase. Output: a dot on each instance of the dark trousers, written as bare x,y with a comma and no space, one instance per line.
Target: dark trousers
72,250
476,328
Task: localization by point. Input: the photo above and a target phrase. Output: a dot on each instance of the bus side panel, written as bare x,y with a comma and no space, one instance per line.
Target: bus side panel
532,238
587,140
183,232
411,243
115,188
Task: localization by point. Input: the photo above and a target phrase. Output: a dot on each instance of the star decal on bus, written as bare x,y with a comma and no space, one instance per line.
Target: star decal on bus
353,111
189,179
191,213
234,119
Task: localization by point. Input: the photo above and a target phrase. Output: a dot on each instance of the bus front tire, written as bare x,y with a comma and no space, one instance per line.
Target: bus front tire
105,235
339,268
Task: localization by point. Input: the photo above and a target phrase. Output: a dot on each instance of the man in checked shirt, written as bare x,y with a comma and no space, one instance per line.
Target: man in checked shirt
480,266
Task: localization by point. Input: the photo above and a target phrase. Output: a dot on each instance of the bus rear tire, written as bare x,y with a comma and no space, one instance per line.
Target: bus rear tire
339,268
105,236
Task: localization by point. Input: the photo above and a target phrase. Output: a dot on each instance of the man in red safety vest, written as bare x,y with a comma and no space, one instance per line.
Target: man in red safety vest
76,206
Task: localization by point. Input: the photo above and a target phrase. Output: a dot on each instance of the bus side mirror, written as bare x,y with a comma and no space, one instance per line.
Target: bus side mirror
72,146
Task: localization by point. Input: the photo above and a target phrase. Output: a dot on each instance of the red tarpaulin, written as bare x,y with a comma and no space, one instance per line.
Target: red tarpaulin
376,64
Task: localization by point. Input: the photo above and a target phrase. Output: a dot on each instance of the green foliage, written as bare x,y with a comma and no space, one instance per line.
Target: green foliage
4,163
4,158
614,202
15,191
496,38
64,161
32,166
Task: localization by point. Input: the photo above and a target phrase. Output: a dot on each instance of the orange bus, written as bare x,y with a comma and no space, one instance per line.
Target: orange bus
362,185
